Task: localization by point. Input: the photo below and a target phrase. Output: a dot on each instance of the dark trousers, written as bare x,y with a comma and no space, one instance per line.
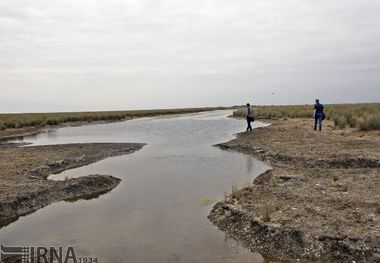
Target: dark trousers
249,120
318,122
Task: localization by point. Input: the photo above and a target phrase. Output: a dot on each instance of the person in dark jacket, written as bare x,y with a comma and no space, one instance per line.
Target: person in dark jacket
318,115
249,117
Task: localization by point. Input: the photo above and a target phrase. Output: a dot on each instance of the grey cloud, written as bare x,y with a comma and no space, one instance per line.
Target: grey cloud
165,53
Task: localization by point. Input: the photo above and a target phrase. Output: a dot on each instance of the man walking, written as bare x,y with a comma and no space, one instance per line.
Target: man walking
249,116
318,115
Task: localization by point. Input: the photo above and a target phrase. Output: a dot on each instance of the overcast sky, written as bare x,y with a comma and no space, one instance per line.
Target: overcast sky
69,55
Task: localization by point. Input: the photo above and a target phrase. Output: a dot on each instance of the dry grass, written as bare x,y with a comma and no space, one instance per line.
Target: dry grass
266,213
20,120
364,116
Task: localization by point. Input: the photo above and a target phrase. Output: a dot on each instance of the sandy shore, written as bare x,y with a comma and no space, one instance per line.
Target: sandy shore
321,201
23,172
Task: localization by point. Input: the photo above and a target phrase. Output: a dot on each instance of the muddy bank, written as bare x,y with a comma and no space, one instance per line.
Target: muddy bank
12,134
19,133
24,187
321,201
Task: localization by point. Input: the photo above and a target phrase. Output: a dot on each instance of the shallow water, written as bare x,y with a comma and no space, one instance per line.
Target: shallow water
156,214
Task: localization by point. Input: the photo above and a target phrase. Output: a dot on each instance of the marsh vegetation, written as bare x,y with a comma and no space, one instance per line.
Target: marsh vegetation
21,120
365,116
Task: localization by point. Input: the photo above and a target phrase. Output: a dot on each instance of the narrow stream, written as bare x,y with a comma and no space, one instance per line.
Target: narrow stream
157,213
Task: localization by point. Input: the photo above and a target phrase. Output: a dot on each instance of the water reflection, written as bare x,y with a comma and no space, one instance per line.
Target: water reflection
250,164
154,214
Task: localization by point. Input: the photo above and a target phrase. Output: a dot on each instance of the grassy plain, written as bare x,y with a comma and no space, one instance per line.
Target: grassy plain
21,120
365,116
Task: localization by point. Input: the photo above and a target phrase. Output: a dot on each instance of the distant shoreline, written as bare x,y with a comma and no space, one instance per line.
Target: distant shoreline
18,125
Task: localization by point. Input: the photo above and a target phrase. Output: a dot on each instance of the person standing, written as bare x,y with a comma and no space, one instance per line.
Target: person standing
249,117
318,115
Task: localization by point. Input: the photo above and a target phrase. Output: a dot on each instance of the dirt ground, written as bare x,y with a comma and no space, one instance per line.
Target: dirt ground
24,186
321,201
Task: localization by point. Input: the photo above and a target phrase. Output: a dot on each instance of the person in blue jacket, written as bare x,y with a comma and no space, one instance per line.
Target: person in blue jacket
319,115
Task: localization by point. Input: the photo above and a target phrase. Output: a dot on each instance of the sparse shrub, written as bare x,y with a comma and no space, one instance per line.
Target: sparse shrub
267,212
207,201
352,121
10,125
274,181
19,124
335,177
234,190
225,197
236,193
341,122
51,122
45,174
239,113
370,122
